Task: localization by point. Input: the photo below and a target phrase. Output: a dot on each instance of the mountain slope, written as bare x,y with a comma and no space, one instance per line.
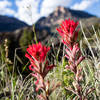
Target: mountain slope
62,13
8,24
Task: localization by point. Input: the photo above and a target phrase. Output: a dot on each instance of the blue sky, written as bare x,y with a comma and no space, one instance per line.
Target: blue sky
30,11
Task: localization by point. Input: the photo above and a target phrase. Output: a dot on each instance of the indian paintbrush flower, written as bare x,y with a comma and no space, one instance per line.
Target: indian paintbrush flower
69,35
68,32
40,67
38,52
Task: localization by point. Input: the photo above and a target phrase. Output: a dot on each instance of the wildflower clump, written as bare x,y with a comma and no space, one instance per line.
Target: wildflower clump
69,35
68,32
36,53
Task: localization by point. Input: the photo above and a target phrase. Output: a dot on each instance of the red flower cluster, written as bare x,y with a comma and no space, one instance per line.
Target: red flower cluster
69,35
68,32
36,53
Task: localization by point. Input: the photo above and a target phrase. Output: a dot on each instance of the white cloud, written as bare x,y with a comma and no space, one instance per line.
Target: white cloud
84,4
28,9
4,8
8,11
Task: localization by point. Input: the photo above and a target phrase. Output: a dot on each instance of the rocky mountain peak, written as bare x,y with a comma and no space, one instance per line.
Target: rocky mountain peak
61,13
59,9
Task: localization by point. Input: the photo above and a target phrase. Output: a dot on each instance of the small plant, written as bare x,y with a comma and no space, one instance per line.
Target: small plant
36,53
69,35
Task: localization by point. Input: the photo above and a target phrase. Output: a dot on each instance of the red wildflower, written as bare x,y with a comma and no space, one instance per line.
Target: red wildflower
68,32
37,52
69,35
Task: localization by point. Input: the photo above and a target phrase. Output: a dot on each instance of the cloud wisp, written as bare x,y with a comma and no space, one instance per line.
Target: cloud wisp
5,8
84,4
27,10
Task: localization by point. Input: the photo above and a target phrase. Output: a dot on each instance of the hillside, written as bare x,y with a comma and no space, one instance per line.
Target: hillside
8,24
62,13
